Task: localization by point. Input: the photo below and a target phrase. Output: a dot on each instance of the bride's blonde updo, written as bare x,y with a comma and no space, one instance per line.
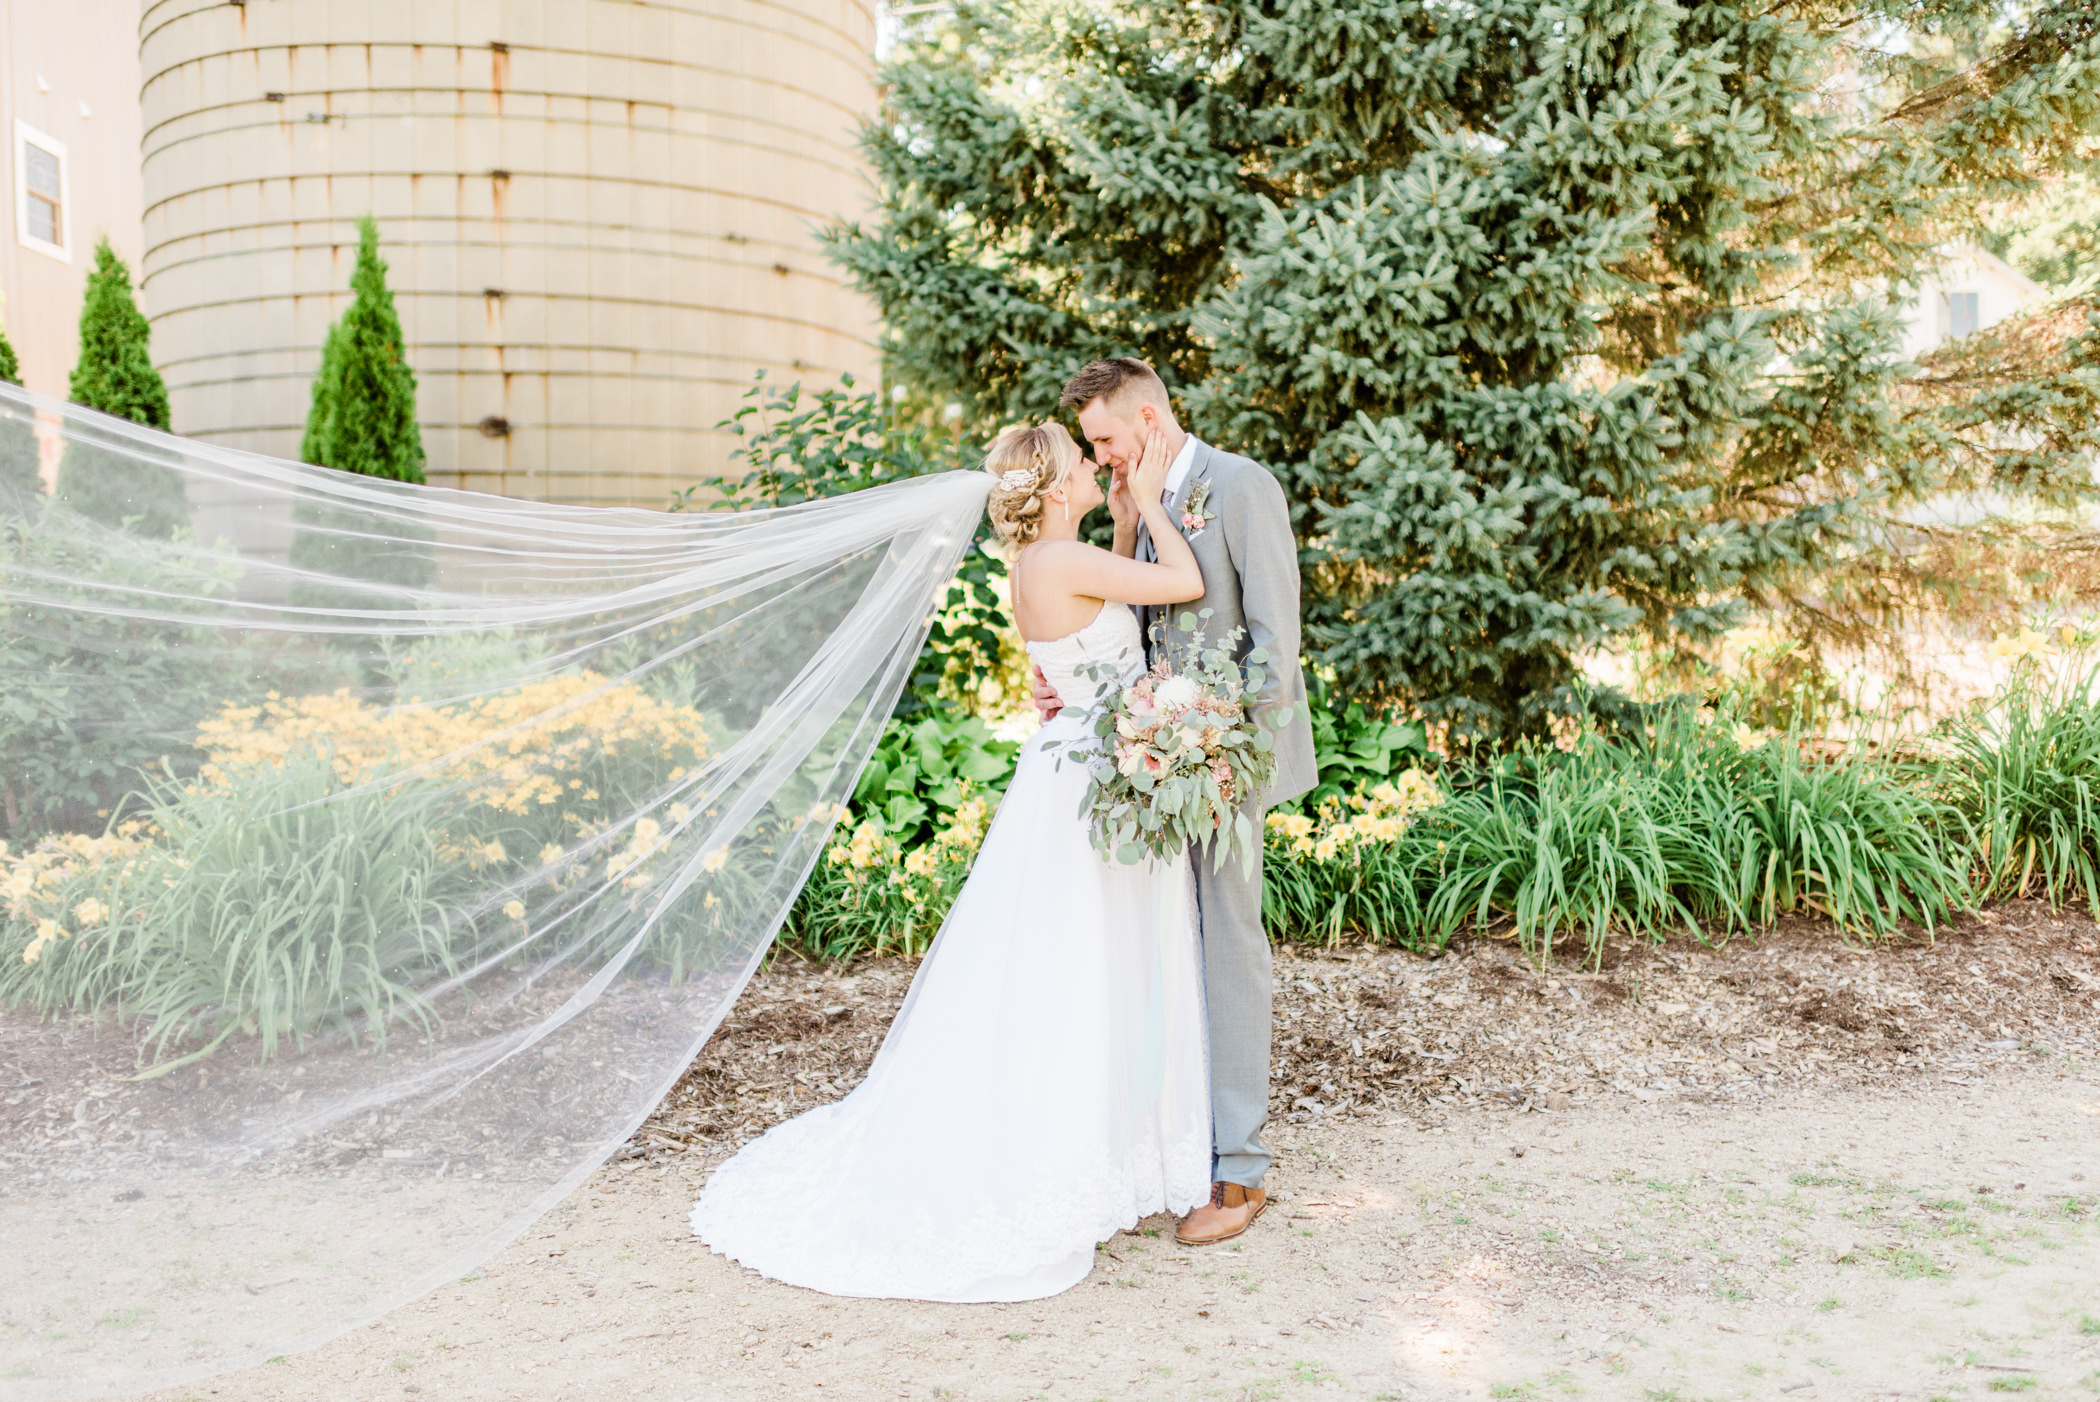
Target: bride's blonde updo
1025,462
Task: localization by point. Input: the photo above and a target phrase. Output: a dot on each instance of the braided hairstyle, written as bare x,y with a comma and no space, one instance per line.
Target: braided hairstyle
1025,462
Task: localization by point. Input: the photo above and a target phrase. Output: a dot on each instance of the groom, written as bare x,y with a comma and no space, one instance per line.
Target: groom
1232,513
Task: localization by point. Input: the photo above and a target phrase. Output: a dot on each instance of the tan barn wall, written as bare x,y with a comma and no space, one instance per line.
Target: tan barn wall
598,216
68,68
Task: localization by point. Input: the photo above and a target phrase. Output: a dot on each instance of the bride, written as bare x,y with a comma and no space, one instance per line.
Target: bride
1044,1084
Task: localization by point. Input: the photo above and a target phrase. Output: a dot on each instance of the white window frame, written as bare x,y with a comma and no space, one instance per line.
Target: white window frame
25,136
1975,314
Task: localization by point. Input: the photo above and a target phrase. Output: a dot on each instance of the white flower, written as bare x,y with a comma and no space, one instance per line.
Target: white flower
1176,694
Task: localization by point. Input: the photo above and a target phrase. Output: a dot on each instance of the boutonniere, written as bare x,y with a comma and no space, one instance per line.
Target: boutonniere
1196,515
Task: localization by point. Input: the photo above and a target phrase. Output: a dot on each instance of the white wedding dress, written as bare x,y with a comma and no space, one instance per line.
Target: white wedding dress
1043,1086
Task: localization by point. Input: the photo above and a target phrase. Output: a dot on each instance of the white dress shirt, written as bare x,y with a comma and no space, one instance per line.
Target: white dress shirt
1178,470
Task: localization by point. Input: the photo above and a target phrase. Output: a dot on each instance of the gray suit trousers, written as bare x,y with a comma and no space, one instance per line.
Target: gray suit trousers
1250,581
1237,992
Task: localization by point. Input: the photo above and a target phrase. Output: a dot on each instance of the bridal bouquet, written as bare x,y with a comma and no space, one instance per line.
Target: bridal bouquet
1177,751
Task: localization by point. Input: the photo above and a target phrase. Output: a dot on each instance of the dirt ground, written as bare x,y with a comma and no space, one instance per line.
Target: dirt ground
1781,1169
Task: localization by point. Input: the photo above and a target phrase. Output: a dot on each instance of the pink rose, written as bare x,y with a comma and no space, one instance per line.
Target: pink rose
1190,521
1155,766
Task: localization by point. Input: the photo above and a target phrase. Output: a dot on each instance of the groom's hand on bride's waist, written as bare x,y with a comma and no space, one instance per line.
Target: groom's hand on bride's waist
1047,701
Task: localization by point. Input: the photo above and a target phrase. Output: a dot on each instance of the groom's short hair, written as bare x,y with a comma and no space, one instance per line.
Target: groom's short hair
1121,384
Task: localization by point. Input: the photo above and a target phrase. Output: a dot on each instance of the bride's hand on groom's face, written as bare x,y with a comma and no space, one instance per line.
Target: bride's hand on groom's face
1147,482
1122,506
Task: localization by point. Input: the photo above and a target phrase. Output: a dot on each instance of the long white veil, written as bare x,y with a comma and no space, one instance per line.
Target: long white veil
377,857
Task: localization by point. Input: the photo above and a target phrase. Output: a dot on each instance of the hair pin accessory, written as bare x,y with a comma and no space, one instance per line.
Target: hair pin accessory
1018,477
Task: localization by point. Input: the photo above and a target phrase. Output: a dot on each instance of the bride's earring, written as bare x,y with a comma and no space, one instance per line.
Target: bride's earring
1068,510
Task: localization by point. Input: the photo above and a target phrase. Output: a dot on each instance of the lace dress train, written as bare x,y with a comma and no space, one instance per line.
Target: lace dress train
1043,1086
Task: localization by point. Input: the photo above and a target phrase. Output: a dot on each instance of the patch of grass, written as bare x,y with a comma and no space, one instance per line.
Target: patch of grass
2026,778
1909,1263
1829,1305
2087,1324
2018,1382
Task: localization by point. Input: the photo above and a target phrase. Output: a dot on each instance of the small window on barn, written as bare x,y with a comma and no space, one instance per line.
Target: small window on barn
1961,314
41,215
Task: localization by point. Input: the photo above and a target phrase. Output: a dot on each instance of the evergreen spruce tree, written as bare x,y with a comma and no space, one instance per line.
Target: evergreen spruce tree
1566,323
363,420
20,481
115,374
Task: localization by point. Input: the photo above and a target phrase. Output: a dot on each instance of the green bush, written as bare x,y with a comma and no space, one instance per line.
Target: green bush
798,447
283,904
2025,772
871,894
904,848
89,698
1356,746
923,770
1681,830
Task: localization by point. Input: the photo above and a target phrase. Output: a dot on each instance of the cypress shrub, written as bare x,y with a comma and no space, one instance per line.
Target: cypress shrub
20,483
363,417
363,420
115,374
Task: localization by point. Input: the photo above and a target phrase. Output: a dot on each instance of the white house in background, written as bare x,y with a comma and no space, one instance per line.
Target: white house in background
69,164
1973,289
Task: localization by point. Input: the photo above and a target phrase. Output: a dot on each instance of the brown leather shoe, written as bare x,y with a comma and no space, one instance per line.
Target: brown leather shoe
1231,1210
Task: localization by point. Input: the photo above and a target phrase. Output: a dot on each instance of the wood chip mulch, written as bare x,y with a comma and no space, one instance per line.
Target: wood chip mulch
1362,1030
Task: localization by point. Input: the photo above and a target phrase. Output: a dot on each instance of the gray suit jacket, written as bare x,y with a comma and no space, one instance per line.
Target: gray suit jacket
1250,580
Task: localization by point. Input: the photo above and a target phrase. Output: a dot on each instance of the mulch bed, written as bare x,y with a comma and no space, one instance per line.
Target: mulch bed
1362,1030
